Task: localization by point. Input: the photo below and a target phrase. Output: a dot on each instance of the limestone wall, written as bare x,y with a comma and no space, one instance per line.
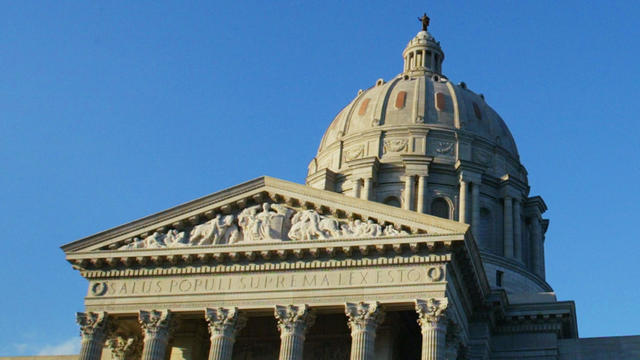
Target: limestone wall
602,348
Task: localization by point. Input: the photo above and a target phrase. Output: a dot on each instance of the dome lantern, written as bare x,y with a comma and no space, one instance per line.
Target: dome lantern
423,53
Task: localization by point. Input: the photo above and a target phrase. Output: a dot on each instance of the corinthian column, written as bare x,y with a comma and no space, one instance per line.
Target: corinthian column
508,227
408,192
517,230
475,208
293,322
364,318
432,320
155,325
462,206
224,325
93,328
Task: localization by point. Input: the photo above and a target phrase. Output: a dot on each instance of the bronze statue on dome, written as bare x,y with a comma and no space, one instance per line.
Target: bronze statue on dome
425,21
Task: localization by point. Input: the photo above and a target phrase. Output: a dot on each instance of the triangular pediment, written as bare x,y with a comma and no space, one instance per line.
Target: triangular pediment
264,211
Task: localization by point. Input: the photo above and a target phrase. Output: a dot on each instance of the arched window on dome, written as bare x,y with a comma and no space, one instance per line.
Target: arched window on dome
392,200
485,235
440,208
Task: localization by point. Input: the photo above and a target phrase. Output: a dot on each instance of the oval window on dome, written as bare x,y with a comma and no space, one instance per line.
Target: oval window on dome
401,99
476,109
441,101
363,107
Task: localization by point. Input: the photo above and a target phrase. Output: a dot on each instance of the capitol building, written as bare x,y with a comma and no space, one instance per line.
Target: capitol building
416,236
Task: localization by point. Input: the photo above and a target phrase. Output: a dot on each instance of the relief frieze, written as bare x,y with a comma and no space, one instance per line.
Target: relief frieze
263,222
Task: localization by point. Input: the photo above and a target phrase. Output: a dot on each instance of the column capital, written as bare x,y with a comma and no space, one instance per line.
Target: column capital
225,322
92,323
431,311
294,319
364,316
124,347
155,322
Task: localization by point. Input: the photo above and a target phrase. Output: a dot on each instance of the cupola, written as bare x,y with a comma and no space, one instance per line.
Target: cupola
423,53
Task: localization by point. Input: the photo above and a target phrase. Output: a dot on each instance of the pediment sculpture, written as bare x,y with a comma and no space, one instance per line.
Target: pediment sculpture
263,222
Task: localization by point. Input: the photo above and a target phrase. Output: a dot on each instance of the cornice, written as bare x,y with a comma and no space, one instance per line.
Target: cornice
242,253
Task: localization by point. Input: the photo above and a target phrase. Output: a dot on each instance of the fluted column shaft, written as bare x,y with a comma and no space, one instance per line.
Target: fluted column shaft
293,322
356,188
432,319
422,191
475,208
508,227
364,318
408,192
433,341
224,324
462,206
517,230
155,325
537,256
93,328
366,190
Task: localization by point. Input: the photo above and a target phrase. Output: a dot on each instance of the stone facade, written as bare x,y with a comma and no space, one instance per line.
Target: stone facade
415,237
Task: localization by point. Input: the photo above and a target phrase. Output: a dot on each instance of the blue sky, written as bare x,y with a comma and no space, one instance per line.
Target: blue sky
113,110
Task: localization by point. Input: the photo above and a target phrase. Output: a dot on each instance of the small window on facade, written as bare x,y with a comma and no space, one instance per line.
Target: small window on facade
401,99
440,208
440,101
476,109
393,201
363,107
499,276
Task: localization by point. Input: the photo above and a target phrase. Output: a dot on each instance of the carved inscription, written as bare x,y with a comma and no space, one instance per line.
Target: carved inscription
212,284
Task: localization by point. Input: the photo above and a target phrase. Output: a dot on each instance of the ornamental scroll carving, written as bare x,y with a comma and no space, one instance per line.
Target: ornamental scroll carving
264,222
225,322
294,319
155,323
364,316
432,310
92,324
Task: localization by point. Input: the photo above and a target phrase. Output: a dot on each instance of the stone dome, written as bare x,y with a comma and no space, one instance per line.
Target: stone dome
418,99
422,143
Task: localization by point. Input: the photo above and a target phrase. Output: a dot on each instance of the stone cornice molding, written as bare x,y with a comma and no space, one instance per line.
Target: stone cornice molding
469,171
534,206
364,316
416,165
333,248
92,324
511,186
226,322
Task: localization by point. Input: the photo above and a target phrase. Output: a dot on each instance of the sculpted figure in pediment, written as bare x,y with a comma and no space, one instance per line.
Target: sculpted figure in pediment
309,225
153,241
175,238
219,230
269,224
